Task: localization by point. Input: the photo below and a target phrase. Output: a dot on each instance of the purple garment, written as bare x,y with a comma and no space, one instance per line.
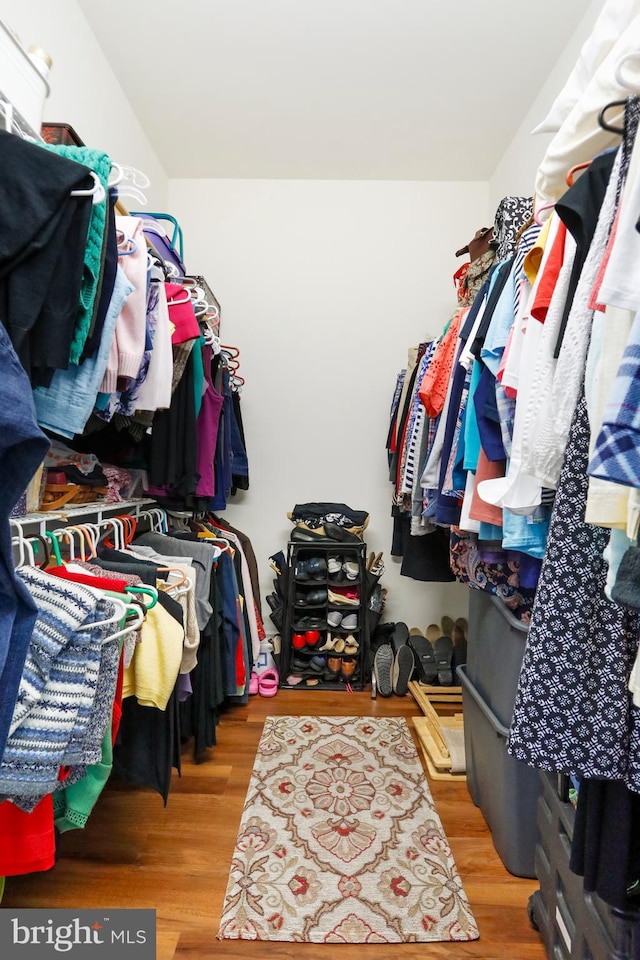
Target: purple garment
207,426
183,687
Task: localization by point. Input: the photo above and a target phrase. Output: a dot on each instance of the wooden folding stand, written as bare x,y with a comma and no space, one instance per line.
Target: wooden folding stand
431,739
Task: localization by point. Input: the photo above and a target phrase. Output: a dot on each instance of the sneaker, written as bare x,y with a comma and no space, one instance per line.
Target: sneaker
402,670
382,667
334,618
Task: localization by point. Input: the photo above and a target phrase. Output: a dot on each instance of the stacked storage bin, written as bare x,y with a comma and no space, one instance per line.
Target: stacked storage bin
505,789
575,925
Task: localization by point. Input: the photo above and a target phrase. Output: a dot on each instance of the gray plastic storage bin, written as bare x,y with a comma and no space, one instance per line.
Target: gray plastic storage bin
574,925
494,653
505,789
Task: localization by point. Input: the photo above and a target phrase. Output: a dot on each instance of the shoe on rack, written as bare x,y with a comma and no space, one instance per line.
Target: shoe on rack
351,646
303,624
351,568
328,644
446,626
348,668
335,532
334,618
432,632
313,568
298,535
403,667
459,637
349,621
334,665
382,667
298,641
312,598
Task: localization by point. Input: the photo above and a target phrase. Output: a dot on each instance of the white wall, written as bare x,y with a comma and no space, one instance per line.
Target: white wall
323,286
85,91
516,172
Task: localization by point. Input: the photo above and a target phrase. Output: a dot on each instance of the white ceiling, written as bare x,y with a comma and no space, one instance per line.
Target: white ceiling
324,89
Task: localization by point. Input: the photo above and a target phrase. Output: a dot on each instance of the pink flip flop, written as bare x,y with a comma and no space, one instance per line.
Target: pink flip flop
268,683
253,683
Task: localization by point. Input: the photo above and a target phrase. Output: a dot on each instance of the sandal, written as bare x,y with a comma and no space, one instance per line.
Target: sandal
253,683
268,683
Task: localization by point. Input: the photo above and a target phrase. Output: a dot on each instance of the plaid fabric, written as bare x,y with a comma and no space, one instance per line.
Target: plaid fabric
616,455
507,413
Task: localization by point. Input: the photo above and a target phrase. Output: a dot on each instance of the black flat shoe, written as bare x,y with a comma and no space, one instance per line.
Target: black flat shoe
425,658
335,532
443,648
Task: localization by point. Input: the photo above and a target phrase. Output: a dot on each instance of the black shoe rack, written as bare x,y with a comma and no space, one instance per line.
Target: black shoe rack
298,611
573,924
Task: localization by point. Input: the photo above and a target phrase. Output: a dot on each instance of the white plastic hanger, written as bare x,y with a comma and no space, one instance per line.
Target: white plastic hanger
630,57
97,191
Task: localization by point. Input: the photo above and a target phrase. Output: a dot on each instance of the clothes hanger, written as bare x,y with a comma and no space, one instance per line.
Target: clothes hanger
119,175
607,126
126,245
38,541
175,303
545,206
56,548
133,184
570,178
119,614
97,191
619,72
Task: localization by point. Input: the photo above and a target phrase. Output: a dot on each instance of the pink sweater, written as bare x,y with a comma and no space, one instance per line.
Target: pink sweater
127,347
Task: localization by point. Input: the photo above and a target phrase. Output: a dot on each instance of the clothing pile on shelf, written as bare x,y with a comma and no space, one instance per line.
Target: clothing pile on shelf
120,344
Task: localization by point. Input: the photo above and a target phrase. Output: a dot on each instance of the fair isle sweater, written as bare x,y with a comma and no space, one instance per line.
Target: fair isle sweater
58,686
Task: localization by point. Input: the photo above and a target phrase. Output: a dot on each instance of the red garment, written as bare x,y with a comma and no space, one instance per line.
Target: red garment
433,389
241,673
181,313
486,470
27,840
116,714
549,278
100,583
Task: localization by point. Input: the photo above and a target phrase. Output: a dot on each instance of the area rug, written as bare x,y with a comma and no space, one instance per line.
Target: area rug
340,842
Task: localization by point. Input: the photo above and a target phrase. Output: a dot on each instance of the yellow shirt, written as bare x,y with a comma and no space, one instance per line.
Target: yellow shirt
153,671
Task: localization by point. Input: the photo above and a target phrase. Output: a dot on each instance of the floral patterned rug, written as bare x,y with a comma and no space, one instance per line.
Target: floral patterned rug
340,842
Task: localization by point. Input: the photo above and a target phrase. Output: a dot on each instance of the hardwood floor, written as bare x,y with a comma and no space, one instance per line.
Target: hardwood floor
136,853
